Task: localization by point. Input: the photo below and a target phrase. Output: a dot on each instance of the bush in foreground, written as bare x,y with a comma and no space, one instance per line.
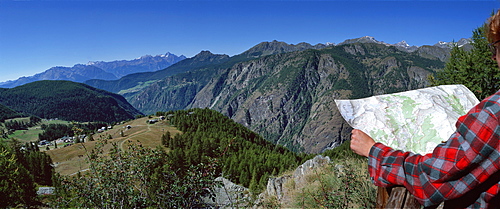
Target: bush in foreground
135,177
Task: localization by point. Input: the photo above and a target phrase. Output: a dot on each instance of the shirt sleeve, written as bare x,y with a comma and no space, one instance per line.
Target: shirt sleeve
466,160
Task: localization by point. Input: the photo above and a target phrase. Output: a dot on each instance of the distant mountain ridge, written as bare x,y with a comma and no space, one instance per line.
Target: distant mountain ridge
139,82
276,47
108,71
368,39
77,73
100,70
145,63
135,82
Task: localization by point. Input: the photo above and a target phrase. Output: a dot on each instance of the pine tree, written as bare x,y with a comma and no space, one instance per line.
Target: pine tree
475,69
254,183
165,138
16,184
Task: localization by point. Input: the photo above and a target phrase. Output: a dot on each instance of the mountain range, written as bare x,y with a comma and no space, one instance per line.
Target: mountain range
288,97
101,70
109,71
285,92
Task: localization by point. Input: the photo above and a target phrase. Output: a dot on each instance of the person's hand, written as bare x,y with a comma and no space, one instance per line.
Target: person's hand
361,143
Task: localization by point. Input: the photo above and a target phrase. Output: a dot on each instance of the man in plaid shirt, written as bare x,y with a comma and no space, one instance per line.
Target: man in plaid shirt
463,172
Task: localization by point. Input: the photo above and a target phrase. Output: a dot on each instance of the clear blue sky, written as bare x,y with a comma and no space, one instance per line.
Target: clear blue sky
37,35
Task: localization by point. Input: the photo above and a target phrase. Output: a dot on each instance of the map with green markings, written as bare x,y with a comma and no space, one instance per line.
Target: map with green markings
414,120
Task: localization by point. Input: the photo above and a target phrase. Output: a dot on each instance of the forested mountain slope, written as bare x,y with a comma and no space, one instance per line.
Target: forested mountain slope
246,158
67,100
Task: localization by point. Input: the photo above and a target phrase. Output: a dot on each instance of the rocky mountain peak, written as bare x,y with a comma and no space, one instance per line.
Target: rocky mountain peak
402,44
462,42
364,39
204,53
168,54
277,47
207,55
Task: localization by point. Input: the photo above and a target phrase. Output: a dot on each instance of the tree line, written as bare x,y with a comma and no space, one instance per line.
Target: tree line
14,125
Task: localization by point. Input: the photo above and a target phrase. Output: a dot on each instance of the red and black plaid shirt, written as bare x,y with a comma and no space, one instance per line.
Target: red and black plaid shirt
464,171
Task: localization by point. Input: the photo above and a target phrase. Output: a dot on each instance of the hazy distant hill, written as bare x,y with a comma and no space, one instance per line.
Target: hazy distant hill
67,100
145,63
77,73
135,82
100,70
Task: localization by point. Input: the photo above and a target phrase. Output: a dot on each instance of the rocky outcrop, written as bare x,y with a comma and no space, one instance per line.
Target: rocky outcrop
231,195
276,186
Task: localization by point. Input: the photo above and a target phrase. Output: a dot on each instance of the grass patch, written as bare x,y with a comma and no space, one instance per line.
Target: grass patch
31,134
69,160
27,135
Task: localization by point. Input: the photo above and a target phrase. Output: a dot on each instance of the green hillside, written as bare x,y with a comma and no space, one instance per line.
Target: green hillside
67,101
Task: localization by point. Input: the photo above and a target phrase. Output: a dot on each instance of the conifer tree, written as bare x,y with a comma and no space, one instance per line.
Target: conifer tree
475,69
16,184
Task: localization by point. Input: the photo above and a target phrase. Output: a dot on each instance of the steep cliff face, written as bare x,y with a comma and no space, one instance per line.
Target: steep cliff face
289,98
